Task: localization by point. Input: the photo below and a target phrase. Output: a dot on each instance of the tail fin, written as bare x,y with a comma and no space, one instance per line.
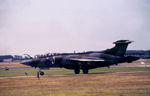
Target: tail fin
119,49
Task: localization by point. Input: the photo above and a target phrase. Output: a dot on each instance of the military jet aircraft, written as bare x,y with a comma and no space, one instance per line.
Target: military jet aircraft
84,61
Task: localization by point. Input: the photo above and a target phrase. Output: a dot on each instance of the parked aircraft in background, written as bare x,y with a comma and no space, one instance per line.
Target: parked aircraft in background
84,61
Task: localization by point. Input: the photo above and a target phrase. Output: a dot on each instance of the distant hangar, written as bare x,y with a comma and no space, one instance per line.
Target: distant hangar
144,54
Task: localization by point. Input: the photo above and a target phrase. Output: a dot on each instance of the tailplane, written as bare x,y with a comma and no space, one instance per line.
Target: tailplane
119,49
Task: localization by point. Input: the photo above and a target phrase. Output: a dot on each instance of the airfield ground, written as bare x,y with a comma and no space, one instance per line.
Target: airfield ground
115,81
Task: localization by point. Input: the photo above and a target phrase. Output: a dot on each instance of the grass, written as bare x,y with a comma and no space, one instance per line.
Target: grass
111,84
94,84
148,61
62,71
119,69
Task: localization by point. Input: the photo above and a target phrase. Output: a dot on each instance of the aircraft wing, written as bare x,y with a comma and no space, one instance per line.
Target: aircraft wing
87,59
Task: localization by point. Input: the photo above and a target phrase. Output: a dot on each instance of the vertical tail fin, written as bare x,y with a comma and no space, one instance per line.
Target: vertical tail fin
119,49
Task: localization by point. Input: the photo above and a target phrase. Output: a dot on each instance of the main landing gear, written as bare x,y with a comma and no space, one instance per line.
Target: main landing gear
85,71
77,71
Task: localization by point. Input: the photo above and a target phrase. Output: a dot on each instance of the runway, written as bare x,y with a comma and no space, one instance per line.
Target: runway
134,65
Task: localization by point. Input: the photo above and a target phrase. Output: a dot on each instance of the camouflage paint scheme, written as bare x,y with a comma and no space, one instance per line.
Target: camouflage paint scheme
86,60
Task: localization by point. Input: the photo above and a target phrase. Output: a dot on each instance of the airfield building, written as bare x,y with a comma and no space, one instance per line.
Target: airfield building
144,54
6,58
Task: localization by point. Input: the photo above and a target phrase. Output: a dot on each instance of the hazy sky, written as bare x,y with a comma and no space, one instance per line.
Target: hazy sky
42,26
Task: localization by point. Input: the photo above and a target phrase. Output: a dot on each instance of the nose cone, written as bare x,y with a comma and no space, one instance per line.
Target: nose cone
26,62
136,58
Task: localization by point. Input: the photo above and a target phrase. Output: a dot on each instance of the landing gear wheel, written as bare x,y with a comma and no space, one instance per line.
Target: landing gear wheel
76,71
85,71
41,73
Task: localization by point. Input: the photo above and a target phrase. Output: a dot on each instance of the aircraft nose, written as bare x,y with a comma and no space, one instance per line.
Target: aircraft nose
136,58
26,62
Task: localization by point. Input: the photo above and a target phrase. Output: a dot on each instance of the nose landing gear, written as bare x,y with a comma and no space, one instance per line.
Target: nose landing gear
39,73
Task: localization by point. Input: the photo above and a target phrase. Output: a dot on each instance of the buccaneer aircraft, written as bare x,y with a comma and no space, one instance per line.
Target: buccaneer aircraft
84,61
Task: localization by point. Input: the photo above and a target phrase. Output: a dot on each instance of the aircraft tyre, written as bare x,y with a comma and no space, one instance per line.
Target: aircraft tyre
76,71
41,73
85,71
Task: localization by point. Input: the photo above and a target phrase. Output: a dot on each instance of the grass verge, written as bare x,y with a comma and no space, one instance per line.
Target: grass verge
62,71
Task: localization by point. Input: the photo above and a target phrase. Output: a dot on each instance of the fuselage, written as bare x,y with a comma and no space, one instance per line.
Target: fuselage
64,60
